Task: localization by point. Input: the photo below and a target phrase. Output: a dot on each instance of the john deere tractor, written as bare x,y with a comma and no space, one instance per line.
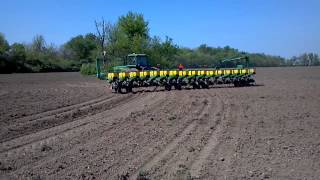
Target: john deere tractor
137,72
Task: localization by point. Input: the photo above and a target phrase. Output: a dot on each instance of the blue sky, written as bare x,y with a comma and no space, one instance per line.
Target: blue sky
278,27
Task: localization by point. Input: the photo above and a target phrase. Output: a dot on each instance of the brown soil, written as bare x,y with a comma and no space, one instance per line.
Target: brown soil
66,126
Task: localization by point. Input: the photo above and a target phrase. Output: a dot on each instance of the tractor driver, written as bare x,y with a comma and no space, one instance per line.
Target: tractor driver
180,67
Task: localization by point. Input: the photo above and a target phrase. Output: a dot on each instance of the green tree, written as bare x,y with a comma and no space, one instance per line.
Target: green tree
4,45
307,59
18,53
135,32
38,44
82,47
5,65
162,53
116,42
133,24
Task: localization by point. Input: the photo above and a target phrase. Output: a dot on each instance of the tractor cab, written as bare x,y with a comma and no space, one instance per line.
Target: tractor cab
134,62
138,60
238,62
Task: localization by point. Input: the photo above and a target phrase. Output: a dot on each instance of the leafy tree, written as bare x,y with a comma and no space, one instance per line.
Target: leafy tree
133,24
81,47
5,65
305,59
18,53
118,44
162,53
129,34
209,56
38,44
134,32
4,45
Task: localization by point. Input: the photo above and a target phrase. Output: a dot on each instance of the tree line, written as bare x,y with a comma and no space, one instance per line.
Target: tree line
113,41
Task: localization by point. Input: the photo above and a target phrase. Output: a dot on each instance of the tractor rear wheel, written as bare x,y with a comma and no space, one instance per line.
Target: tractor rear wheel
236,83
203,85
177,86
167,87
123,89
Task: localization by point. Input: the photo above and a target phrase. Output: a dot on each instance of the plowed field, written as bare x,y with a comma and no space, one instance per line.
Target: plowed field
67,126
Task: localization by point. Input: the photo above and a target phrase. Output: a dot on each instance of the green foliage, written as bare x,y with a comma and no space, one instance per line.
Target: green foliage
130,34
36,57
38,44
211,57
134,25
82,47
162,53
6,66
18,51
4,45
305,59
88,69
18,56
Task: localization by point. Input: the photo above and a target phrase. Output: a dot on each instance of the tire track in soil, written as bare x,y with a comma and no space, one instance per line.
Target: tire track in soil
52,135
55,130
124,142
102,141
60,110
228,147
166,153
178,166
199,163
140,138
98,130
120,143
233,132
39,124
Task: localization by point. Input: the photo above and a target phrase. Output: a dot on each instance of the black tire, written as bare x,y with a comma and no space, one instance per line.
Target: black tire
167,87
204,85
129,89
177,86
122,89
236,83
196,86
242,83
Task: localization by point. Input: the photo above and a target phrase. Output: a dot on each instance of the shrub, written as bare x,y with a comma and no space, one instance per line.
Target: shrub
88,69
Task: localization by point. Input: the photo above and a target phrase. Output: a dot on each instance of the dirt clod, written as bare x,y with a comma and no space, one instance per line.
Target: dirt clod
46,148
191,149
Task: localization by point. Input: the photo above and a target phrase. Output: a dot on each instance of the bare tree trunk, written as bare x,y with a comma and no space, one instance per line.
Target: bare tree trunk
101,34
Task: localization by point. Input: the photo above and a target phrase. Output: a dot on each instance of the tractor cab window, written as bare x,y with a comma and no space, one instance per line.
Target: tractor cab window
139,60
142,61
132,59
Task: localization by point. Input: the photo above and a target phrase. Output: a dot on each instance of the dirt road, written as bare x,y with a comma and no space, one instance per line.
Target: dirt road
65,126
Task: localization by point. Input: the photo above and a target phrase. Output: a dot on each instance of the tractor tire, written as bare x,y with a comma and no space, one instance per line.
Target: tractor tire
236,83
203,85
122,89
177,86
129,89
195,86
167,87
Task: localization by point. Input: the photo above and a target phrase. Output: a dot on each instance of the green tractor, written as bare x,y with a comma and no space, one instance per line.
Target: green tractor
134,62
137,72
238,62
